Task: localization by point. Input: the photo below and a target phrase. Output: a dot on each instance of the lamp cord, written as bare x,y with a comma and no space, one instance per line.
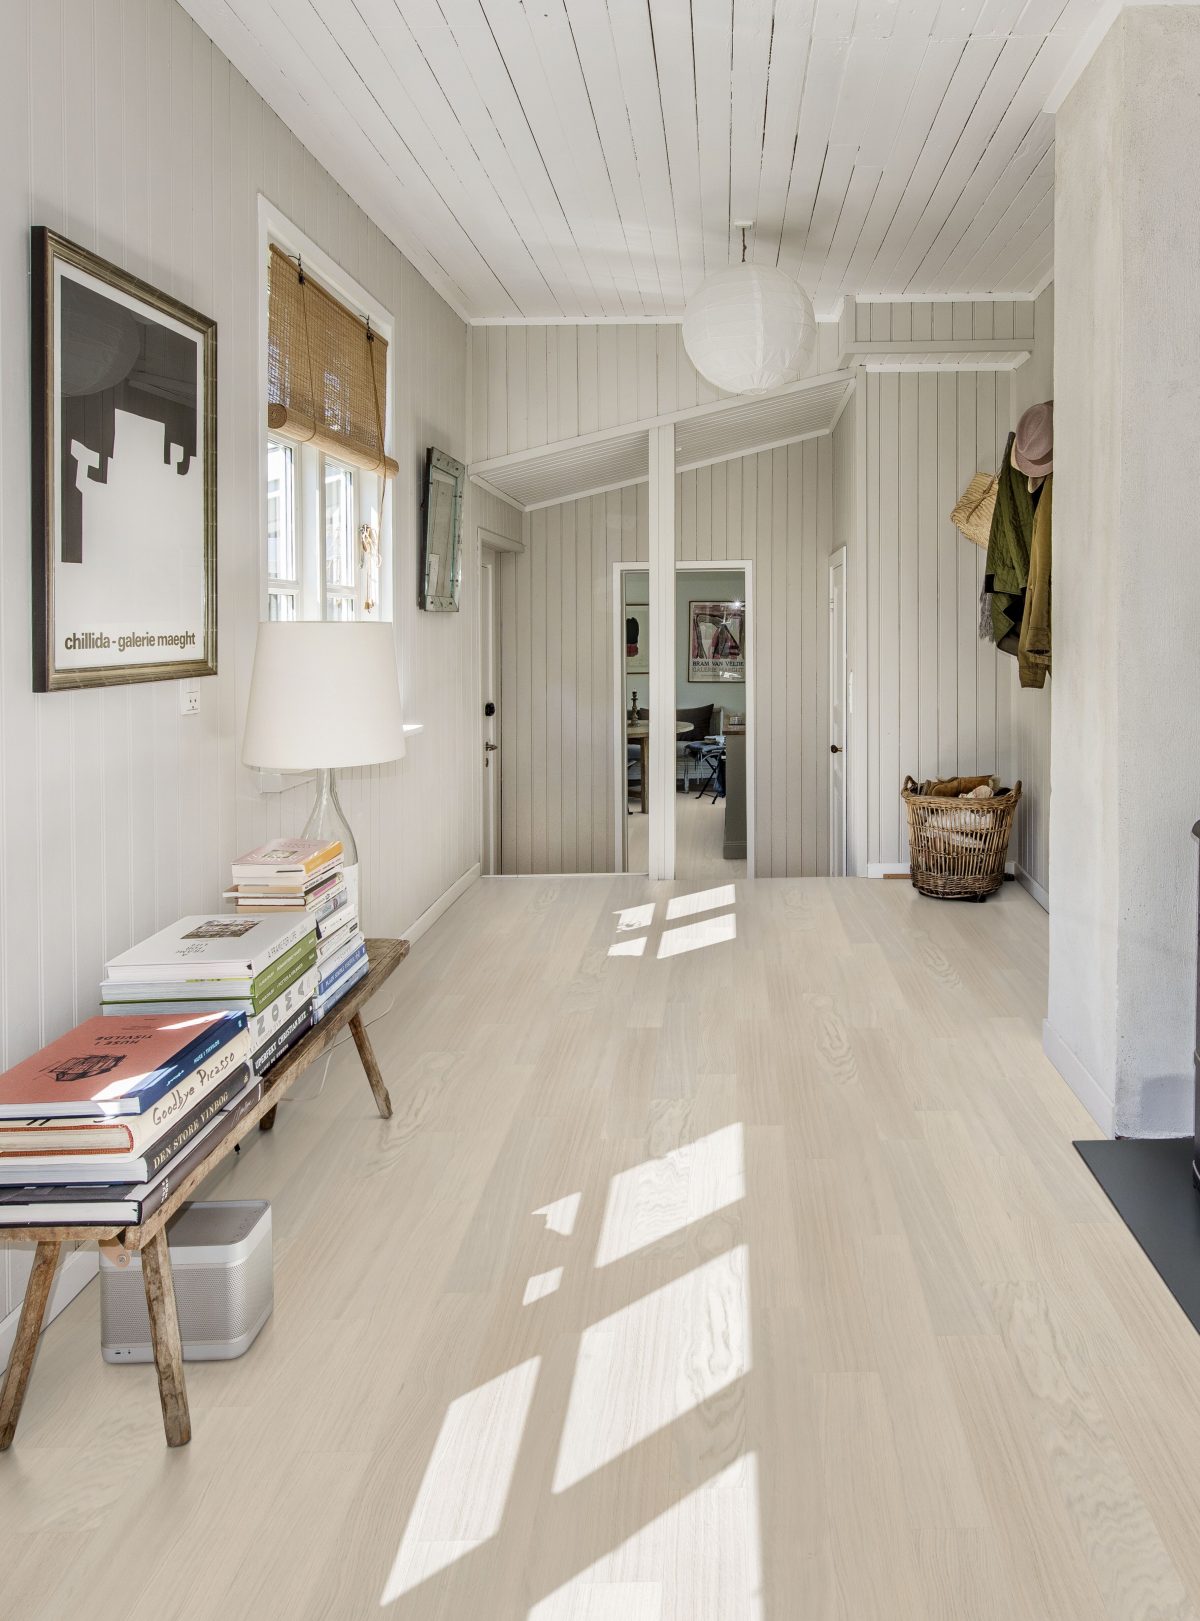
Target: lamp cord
311,1097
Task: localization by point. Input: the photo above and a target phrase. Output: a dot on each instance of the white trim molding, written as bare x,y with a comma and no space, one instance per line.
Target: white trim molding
1084,1085
442,905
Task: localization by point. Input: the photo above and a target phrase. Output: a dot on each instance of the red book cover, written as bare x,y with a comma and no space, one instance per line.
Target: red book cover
111,1065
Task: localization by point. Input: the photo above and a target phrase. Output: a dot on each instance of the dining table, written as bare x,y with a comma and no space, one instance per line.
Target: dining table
638,731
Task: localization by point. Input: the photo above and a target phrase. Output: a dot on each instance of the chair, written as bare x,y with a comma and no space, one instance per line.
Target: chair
700,721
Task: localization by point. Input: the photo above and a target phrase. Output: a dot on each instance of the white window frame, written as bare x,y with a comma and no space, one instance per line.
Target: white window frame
309,481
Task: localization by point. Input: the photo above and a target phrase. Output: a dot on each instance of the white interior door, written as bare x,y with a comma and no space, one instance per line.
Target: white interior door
489,665
838,714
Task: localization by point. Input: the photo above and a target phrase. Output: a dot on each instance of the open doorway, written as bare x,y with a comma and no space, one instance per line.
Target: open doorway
632,662
713,710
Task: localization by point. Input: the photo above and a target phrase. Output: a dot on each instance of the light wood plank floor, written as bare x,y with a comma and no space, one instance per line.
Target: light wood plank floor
721,1261
699,841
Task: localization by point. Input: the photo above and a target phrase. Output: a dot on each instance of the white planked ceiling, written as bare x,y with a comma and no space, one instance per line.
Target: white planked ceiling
580,159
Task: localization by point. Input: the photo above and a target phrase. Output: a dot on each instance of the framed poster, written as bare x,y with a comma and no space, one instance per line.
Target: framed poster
124,476
717,644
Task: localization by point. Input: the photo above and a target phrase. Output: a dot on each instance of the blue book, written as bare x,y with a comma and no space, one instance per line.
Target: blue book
323,1004
341,971
121,1065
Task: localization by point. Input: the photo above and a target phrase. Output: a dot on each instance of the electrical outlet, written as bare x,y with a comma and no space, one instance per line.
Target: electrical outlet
189,698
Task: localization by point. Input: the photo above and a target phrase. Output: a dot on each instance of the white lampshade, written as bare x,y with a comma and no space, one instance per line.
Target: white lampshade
324,695
750,328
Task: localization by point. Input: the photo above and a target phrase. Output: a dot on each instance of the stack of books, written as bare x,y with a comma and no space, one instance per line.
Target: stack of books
291,876
105,1123
262,966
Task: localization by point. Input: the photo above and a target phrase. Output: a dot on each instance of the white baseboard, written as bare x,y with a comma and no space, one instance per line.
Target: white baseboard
442,905
1085,1087
76,1272
545,877
1040,895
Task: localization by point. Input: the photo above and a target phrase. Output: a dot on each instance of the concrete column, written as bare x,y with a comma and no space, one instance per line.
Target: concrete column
1125,740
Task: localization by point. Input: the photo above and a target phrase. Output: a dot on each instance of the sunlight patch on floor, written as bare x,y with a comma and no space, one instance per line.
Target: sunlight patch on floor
708,931
635,917
629,948
541,1285
461,1501
700,900
654,1361
661,1196
560,1215
701,1560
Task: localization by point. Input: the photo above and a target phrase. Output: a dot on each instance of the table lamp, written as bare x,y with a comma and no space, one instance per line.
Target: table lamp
324,696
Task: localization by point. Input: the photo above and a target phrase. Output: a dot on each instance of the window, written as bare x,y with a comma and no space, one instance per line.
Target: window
340,571
316,562
283,562
326,465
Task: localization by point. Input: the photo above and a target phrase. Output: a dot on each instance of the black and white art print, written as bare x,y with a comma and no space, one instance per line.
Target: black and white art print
124,476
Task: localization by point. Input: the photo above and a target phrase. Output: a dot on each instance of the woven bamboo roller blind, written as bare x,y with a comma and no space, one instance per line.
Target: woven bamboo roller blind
326,371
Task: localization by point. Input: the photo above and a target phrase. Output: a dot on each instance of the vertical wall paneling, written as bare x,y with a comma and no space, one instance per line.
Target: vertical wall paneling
125,128
939,697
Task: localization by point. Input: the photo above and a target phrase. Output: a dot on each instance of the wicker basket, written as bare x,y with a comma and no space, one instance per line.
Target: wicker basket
958,847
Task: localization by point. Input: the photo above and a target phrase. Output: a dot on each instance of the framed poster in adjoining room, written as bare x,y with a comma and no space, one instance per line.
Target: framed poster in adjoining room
124,476
717,641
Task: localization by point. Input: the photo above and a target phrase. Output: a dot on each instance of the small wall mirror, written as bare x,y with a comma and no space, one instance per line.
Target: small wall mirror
441,539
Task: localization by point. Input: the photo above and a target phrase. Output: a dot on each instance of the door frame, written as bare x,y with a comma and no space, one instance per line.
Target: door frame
745,567
620,801
665,809
839,558
493,541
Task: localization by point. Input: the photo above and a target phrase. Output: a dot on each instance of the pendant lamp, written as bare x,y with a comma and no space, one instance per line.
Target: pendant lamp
750,328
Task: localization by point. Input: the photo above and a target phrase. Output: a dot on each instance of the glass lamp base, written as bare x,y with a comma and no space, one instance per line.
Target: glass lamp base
328,821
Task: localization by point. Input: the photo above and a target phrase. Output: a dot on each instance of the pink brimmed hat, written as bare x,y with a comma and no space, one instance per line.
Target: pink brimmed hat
1033,451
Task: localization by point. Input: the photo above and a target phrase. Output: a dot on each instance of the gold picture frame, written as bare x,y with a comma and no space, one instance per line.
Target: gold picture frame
124,454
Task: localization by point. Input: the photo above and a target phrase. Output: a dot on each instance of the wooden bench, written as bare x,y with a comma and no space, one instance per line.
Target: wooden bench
384,956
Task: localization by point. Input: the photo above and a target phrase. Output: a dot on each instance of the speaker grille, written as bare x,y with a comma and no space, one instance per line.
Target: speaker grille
218,1304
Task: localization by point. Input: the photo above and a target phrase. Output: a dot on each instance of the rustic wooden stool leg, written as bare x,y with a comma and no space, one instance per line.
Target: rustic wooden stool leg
37,1293
367,1053
164,1335
268,1120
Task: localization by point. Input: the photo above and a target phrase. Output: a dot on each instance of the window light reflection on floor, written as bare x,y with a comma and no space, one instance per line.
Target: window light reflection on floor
541,1285
659,1197
700,900
629,948
654,1361
635,917
700,1560
560,1215
707,931
460,1504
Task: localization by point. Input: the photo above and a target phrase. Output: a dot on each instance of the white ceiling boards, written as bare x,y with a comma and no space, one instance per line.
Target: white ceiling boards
582,159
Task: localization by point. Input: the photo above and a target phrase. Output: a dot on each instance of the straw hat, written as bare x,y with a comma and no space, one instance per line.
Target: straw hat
1033,450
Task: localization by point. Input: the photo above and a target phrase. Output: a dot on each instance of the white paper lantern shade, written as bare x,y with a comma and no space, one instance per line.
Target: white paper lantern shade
750,328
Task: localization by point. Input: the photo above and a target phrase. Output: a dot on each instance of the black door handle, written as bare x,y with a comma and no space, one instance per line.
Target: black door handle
833,749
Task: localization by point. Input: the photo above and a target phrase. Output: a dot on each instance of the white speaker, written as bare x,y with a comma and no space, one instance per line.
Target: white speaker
224,1285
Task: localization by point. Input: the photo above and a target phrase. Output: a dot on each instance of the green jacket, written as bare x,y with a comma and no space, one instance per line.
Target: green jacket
1009,545
1033,651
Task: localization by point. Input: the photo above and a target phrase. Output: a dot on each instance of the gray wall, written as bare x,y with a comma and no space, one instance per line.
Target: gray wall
123,127
1125,721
